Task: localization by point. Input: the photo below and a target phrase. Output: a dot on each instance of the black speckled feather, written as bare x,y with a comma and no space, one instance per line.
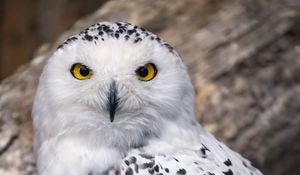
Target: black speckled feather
99,32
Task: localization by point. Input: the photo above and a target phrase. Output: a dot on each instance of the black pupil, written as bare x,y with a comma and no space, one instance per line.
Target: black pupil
84,71
143,71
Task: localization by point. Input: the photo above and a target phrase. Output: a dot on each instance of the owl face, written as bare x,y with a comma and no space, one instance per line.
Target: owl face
114,81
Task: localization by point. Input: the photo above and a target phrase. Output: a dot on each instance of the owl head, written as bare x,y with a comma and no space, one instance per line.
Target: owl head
114,83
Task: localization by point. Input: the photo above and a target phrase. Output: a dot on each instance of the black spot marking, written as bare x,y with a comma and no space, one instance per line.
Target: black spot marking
147,165
167,170
228,162
129,171
151,171
88,37
126,162
205,147
146,156
110,32
130,32
137,40
181,172
170,49
161,167
136,168
132,159
156,168
203,151
105,28
229,172
200,168
72,39
61,46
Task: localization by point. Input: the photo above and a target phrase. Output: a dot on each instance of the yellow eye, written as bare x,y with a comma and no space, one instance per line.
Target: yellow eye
81,72
146,72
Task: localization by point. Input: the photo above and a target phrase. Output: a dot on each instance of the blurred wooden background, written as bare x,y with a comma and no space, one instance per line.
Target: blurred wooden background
243,57
27,24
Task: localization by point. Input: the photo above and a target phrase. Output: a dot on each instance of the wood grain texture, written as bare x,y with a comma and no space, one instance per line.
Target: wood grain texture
24,25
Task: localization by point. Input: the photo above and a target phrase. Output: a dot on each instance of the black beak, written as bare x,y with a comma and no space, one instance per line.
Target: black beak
113,100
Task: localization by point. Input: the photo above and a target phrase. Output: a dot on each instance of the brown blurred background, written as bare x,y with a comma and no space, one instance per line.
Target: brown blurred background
243,57
27,24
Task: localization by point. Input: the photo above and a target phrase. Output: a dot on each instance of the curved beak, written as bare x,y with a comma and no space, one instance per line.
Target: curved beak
113,100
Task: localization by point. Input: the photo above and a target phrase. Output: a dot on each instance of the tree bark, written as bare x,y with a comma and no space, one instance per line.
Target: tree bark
26,24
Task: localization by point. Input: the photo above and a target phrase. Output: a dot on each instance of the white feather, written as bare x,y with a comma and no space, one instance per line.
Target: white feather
73,131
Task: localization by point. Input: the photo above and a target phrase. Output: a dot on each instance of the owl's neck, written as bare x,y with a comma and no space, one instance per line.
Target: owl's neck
134,130
89,137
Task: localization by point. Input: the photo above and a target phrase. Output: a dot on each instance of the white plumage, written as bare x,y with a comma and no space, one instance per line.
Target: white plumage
116,99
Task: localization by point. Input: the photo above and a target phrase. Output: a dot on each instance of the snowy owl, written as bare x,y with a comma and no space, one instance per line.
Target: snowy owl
116,99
